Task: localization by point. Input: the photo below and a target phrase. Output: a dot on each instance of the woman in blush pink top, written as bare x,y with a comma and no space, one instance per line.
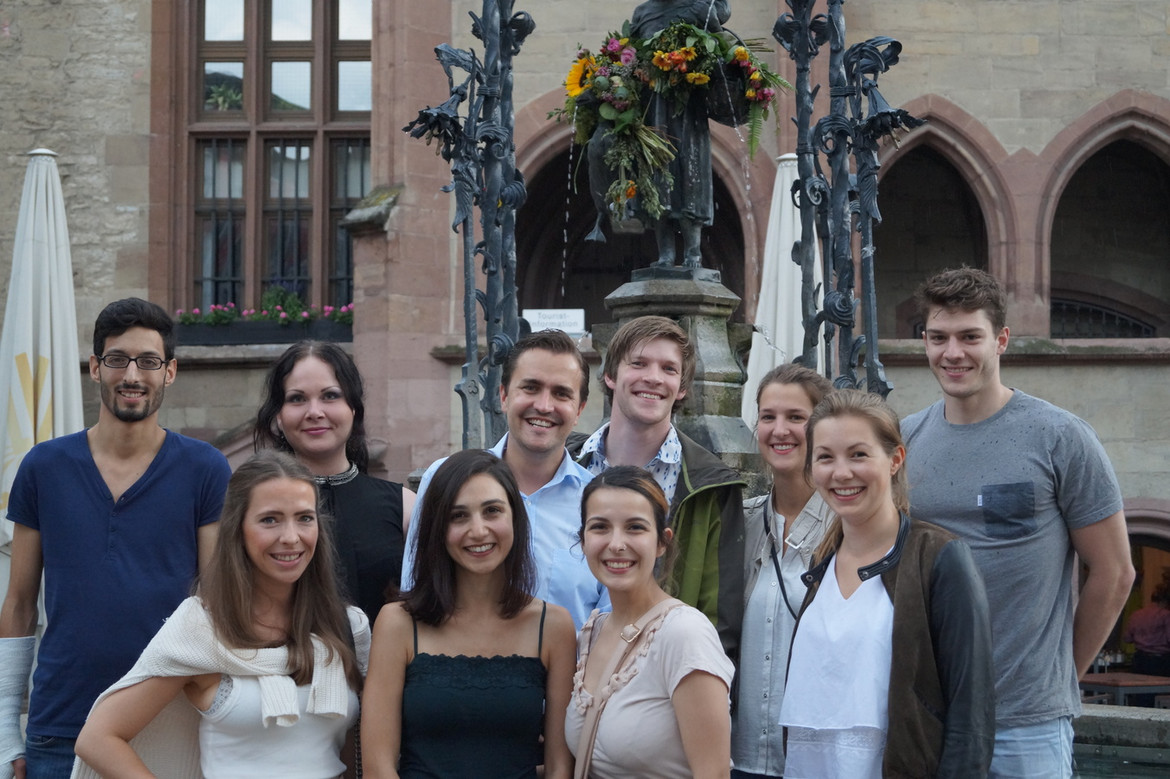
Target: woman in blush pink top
665,707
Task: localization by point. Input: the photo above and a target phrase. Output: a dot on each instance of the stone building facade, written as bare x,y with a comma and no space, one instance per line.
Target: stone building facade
1046,159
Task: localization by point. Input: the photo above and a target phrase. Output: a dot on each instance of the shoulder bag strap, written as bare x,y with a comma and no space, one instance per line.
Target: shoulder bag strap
616,661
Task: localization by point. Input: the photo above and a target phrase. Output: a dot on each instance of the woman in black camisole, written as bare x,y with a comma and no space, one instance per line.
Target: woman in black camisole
469,671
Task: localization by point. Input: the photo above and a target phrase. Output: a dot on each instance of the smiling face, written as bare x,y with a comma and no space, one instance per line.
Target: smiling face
647,383
132,394
480,534
963,350
280,532
784,410
542,402
315,418
851,470
620,539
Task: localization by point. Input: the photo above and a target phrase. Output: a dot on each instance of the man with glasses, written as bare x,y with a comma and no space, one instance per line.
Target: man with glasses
120,518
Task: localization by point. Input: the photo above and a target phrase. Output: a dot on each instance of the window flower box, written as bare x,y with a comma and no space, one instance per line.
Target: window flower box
242,332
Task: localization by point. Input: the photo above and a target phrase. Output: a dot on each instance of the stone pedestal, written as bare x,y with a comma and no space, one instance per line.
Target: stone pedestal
702,306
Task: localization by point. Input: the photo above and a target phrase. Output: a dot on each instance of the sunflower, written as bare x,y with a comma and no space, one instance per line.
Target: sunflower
697,78
579,75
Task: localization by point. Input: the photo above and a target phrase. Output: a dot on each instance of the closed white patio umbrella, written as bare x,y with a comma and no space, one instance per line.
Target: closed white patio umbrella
778,311
40,379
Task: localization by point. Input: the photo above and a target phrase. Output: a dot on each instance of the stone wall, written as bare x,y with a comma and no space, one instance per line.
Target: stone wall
1026,68
76,80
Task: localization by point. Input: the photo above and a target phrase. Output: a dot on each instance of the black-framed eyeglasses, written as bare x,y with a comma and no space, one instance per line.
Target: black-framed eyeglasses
146,362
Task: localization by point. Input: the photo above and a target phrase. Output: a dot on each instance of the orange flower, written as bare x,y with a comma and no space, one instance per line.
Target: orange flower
662,60
631,189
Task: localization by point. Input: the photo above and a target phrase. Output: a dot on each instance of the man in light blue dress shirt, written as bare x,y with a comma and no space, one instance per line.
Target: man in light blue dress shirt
544,386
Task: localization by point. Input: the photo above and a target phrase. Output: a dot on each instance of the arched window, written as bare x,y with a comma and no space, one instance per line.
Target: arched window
1110,247
931,221
557,268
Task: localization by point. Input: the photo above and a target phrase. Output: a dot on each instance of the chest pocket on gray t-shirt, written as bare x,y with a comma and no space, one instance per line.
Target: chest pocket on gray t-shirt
1009,510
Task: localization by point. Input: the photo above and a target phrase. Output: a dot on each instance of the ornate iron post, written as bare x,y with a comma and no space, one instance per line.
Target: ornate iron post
848,138
482,153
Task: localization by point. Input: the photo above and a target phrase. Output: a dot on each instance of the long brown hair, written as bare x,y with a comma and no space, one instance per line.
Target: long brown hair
432,599
883,421
227,586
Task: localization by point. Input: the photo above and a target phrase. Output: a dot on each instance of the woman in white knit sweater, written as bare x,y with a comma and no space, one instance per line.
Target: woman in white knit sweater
267,662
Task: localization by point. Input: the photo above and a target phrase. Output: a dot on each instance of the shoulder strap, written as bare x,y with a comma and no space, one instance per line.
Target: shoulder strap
540,640
617,661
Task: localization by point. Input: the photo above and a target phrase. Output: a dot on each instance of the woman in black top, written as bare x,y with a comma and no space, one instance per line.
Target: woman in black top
313,408
469,670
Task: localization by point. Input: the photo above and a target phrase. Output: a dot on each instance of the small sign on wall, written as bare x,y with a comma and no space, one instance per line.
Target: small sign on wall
571,320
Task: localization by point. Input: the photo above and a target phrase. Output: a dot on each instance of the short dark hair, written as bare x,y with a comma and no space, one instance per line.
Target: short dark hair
432,599
554,341
965,289
647,328
266,436
641,481
121,315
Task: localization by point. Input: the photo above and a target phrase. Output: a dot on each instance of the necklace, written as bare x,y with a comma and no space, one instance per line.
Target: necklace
337,479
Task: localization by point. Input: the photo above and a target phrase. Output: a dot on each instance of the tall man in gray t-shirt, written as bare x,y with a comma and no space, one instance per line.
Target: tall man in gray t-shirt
1026,484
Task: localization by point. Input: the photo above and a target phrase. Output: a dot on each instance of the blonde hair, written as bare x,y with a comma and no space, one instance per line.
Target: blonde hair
643,330
883,421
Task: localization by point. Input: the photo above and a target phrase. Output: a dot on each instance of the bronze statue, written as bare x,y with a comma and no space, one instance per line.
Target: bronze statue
688,201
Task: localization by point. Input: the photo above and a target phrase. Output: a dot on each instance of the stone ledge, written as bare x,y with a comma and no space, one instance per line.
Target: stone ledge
1123,726
245,355
1045,351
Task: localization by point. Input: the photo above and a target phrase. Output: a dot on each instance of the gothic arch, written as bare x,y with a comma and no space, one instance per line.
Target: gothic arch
1148,517
971,148
1128,115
